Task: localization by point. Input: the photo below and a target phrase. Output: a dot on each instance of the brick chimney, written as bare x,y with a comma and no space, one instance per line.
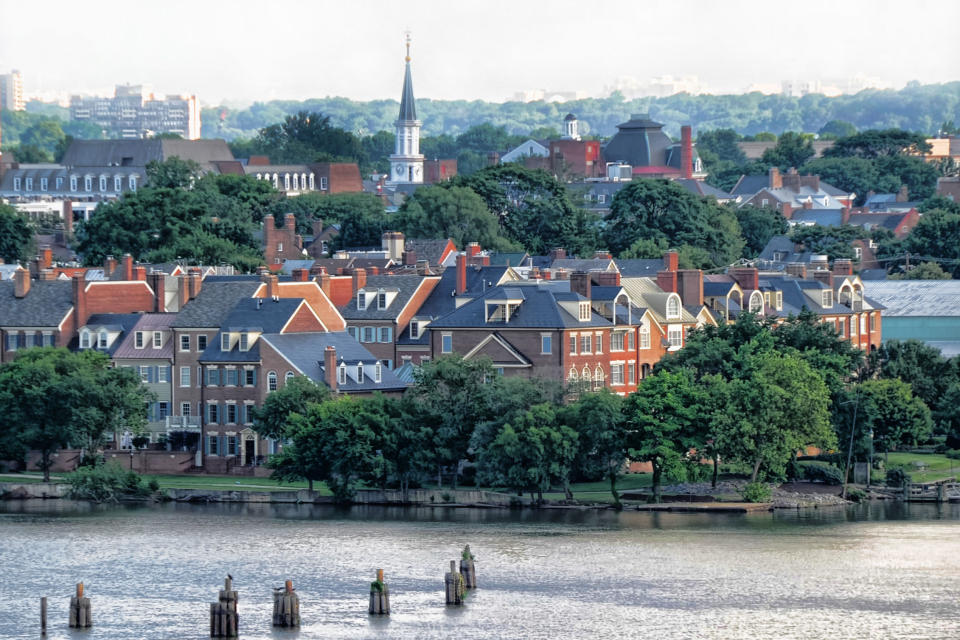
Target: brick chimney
558,253
183,290
797,269
461,274
330,367
290,223
79,300
686,151
473,249
580,283
671,261
317,227
410,258
195,282
667,281
903,194
787,210
127,265
157,282
808,203
845,215
691,286
824,276
273,288
747,277
775,179
843,267
46,257
301,275
608,278
21,282
324,280
140,273
109,266
602,255
359,279
791,179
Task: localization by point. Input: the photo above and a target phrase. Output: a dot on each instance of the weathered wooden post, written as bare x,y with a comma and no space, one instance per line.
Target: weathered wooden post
224,619
467,569
43,616
80,614
286,606
379,596
453,582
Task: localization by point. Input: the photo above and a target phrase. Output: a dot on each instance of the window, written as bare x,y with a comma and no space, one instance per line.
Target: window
184,376
616,374
342,374
185,409
675,337
779,299
185,342
287,377
360,372
826,298
231,413
381,299
598,378
231,445
853,326
163,410
573,344
602,198
231,377
212,442
584,311
224,342
863,324
369,334
673,307
386,334
16,184
546,344
378,372
88,183
59,183
73,183
573,376
296,182
323,183
286,182
43,184
132,183
213,376
118,183
446,343
157,339
145,373
163,373
764,202
842,327
599,343
29,184
630,341
48,339
279,247
201,342
102,340
84,340
313,184
756,302
858,252
12,340
585,374
616,341
138,340
631,373
586,344
250,377
353,331
361,300
272,381
244,342
37,339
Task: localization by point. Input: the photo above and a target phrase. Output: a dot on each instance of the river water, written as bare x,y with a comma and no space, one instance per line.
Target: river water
878,571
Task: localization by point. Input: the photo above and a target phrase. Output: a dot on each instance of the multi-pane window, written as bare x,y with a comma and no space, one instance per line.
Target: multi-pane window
138,340
369,334
616,341
163,373
673,307
225,342
213,413
584,311
250,377
386,334
163,410
381,299
272,381
599,343
342,374
212,442
157,339
826,298
644,337
185,377
630,341
232,445
616,374
598,379
675,337
185,342
573,345
102,340
231,413
201,342
213,376
631,373
586,344
145,373
244,342
232,377
185,409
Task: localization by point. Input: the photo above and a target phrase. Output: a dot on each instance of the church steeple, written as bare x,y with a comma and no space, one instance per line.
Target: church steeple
406,163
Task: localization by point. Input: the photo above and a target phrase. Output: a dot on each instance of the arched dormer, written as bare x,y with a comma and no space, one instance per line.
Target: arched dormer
673,307
342,373
756,302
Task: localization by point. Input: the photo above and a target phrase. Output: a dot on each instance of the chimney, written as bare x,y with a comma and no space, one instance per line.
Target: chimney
46,257
157,283
79,300
808,203
608,278
791,180
140,273
667,281
775,181
845,215
330,367
558,253
21,282
109,266
747,277
183,290
602,255
273,288
324,280
787,210
691,286
686,151
461,274
301,275
473,249
797,269
47,275
68,219
317,227
195,282
671,261
580,283
359,279
843,267
127,266
409,257
821,275
290,223
903,194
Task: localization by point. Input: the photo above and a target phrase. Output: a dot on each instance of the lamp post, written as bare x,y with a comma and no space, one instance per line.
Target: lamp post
853,429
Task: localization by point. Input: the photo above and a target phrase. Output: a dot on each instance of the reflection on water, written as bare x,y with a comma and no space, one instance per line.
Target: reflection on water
877,571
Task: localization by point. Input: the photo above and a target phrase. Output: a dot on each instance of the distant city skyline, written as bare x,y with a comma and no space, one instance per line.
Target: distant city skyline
237,53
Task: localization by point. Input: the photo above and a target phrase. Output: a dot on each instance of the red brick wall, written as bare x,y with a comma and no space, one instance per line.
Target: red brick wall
303,321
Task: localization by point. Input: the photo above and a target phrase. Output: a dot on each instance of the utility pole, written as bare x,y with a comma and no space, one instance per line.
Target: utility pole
853,429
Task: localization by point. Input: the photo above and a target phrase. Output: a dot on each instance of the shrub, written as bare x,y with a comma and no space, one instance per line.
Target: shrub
105,483
756,492
141,441
856,495
153,485
794,470
953,454
822,472
897,477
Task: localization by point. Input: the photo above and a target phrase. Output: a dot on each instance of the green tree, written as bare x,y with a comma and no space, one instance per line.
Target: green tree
722,144
31,154
450,212
758,225
889,409
837,129
936,235
598,420
46,134
173,173
307,137
405,445
662,422
874,143
658,209
922,271
272,419
792,150
921,366
51,398
853,175
15,235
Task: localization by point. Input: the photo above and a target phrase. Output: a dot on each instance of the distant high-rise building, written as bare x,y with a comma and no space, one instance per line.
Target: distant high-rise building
134,112
11,91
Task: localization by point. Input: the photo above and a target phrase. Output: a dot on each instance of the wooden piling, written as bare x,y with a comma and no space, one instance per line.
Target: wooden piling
286,606
224,619
467,569
453,584
80,614
43,615
379,596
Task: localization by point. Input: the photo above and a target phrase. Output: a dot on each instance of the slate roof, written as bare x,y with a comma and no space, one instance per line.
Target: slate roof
701,188
508,259
290,265
873,220
122,322
749,185
584,264
148,322
404,285
137,153
442,299
639,142
917,298
540,309
307,350
427,249
794,299
408,106
45,305
638,267
215,302
269,316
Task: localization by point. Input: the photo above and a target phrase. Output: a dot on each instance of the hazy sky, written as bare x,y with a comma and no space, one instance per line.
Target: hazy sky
240,51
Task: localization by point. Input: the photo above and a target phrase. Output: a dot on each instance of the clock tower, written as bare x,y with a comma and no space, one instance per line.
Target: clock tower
406,163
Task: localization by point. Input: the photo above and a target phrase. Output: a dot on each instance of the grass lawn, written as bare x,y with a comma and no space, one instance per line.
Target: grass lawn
230,483
935,466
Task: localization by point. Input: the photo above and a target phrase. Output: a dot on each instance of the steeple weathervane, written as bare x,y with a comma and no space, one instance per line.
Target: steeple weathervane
408,46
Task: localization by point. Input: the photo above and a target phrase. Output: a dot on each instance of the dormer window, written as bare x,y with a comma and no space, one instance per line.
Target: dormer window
224,342
584,311
138,340
360,372
73,183
286,182
377,372
826,298
84,339
342,374
157,339
673,307
118,183
132,183
756,302
102,340
361,300
414,329
244,342
381,299
779,300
